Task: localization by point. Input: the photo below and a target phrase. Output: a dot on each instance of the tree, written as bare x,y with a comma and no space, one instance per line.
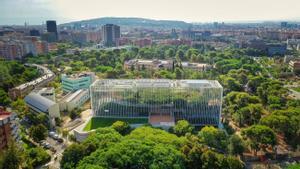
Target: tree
4,99
11,158
121,127
72,155
75,113
180,54
144,147
178,73
236,145
210,160
293,166
182,127
37,156
285,122
259,137
213,137
19,106
232,163
38,132
170,53
192,151
249,115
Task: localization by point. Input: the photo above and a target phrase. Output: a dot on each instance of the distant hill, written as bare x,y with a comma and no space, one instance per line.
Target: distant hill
132,22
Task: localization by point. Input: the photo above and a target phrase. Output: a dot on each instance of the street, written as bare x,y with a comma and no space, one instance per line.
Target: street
56,156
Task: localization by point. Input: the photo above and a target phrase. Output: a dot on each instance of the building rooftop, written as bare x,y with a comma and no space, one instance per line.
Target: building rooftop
163,83
44,90
4,114
71,96
78,75
47,74
39,102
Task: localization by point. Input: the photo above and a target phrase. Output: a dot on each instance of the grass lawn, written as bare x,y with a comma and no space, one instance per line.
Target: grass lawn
297,89
97,122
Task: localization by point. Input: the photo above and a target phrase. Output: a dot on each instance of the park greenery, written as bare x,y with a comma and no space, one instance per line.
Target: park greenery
28,157
255,102
12,74
146,147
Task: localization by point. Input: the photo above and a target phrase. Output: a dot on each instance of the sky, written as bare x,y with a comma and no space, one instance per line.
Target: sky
37,11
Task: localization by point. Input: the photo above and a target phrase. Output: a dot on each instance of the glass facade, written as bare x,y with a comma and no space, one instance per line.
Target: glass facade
159,100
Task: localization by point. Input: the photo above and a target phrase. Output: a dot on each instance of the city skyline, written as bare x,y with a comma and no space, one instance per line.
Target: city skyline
37,11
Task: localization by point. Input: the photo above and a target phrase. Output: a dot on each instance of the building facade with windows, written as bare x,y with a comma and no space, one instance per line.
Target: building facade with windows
74,100
163,102
8,128
71,83
110,34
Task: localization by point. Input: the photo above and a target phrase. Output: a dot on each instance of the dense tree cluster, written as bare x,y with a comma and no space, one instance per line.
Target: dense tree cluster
145,147
12,74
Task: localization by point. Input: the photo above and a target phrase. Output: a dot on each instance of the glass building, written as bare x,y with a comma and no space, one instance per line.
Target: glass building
161,101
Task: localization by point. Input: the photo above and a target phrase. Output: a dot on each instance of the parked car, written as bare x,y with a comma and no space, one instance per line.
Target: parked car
60,140
45,145
53,135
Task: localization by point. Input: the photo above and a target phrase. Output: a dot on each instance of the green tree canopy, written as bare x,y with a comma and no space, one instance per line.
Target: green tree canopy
182,127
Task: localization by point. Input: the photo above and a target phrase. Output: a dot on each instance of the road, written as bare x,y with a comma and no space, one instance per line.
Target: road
55,157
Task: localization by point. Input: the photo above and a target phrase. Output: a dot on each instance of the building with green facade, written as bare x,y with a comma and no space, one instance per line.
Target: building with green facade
161,101
71,83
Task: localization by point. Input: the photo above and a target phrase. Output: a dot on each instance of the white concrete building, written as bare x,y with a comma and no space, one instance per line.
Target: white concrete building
47,92
40,104
74,100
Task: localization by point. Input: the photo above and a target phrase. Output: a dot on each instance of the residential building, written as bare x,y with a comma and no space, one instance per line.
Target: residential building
77,81
196,66
163,102
12,50
74,100
25,88
294,66
176,42
139,64
154,64
142,42
110,34
8,128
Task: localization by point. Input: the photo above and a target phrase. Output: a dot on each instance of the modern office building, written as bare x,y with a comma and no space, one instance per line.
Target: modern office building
75,82
74,100
161,101
110,34
52,28
8,128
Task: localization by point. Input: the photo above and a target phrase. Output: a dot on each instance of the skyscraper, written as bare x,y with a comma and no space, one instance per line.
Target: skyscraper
52,28
110,34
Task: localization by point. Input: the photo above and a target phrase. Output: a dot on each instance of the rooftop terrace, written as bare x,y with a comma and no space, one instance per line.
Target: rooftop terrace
162,83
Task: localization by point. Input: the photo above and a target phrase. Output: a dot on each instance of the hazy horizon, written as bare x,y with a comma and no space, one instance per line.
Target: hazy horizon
34,12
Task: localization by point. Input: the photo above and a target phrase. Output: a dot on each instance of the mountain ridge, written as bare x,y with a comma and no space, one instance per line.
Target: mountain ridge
131,22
